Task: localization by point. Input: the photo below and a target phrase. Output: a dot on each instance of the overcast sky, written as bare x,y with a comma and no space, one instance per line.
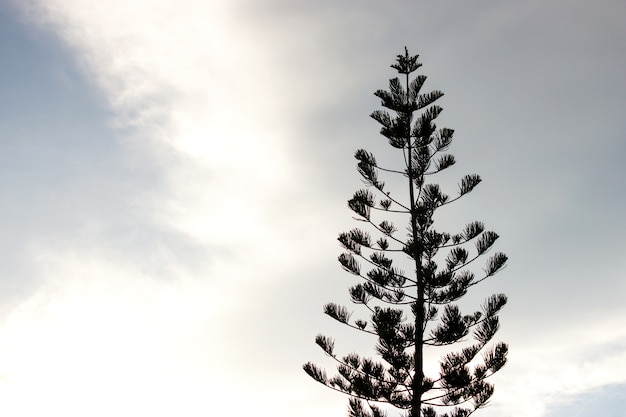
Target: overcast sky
173,175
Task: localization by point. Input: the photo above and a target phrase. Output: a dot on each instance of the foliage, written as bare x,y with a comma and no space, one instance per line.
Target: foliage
409,313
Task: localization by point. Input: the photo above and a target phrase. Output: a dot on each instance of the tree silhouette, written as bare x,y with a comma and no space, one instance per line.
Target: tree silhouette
410,313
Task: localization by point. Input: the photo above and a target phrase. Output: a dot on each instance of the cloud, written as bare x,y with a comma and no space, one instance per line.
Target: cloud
99,337
153,310
545,371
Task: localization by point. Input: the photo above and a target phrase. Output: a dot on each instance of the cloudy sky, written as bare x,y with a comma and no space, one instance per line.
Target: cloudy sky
173,175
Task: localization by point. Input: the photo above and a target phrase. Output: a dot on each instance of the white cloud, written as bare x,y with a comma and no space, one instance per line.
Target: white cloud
100,337
172,78
202,95
103,334
544,373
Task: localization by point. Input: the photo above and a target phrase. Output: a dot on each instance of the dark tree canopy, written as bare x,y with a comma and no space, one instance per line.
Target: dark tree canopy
412,312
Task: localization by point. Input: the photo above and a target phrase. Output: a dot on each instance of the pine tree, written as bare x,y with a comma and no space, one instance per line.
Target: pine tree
411,313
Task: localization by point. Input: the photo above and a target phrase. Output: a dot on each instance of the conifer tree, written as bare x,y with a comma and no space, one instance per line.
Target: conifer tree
410,313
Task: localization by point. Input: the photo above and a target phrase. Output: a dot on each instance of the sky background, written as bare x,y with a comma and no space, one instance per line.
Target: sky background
173,175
